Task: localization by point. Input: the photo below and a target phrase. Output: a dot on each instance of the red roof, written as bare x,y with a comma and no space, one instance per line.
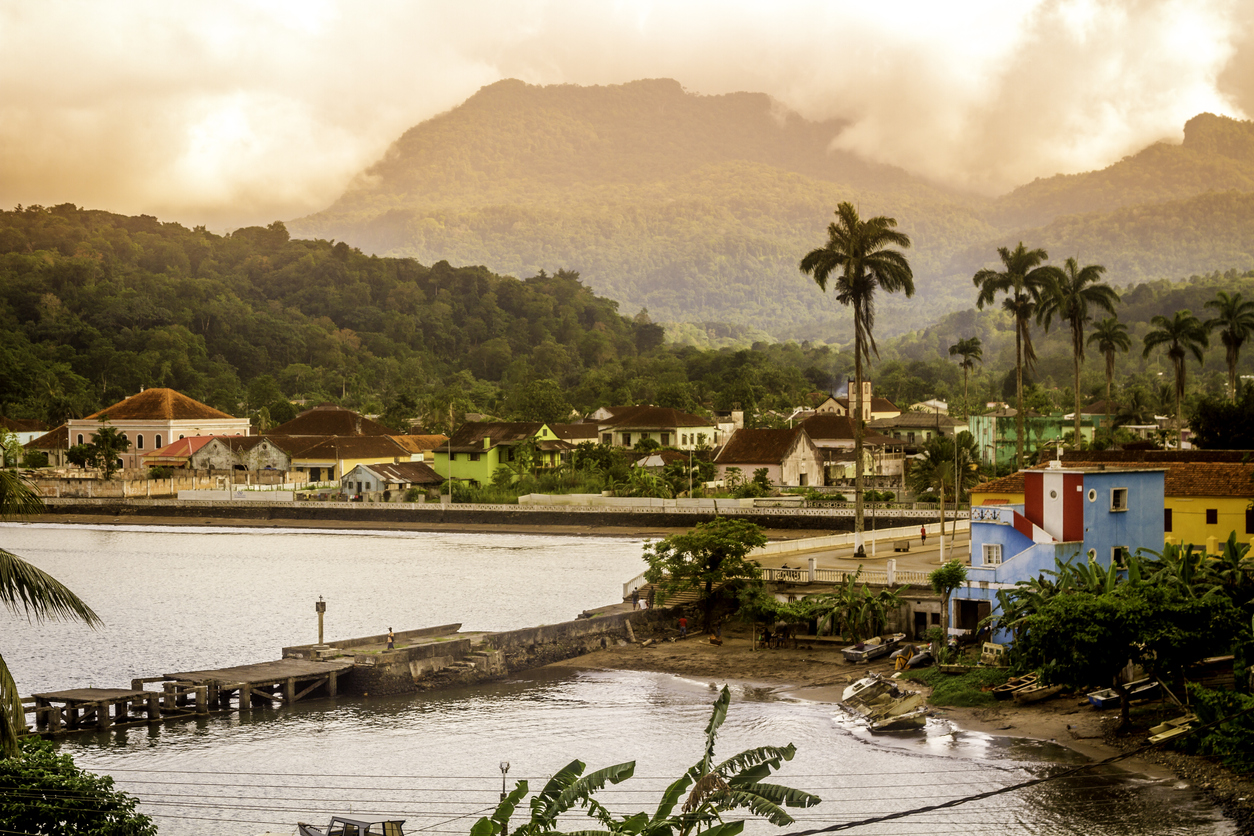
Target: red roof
653,417
180,449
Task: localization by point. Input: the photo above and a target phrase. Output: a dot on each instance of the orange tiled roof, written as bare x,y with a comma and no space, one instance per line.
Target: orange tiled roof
160,405
758,446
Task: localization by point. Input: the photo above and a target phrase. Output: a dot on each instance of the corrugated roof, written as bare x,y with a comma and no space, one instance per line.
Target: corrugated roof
575,433
653,417
827,426
915,419
758,446
182,448
328,419
411,473
470,435
420,443
160,405
878,404
349,447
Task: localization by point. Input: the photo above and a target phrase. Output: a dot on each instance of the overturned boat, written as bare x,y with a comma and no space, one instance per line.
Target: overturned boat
872,648
884,706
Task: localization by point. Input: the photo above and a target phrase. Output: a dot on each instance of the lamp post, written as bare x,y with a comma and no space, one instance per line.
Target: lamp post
320,607
504,769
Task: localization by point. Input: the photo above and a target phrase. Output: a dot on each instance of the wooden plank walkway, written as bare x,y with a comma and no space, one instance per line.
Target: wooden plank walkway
281,682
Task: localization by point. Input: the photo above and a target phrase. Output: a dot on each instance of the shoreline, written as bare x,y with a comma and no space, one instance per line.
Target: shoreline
817,673
622,532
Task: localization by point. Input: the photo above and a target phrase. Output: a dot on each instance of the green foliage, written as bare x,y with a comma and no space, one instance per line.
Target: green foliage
1220,424
966,690
851,609
101,452
160,472
705,557
43,792
711,788
1231,742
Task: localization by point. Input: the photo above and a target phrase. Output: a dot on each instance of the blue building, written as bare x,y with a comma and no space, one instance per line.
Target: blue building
1068,514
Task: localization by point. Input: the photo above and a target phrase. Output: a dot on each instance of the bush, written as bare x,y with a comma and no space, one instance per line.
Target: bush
43,792
966,690
927,497
160,472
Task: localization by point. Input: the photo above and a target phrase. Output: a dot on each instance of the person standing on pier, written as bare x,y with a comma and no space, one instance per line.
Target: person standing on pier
391,639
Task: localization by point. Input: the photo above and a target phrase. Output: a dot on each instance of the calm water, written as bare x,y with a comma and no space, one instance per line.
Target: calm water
177,599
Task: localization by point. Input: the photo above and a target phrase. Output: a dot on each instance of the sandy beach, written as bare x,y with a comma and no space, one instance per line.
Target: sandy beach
817,672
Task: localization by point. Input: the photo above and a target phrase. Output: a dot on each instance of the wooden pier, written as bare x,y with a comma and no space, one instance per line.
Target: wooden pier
186,694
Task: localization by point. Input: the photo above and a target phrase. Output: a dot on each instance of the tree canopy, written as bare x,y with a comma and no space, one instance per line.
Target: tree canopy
703,558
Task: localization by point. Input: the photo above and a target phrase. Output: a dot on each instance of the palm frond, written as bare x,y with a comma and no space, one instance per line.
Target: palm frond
12,713
39,594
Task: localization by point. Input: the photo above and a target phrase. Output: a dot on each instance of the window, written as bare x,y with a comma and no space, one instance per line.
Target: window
1249,520
452,457
474,457
626,439
992,554
1166,519
801,480
607,438
700,438
157,443
80,438
666,439
1212,516
139,441
1118,499
1119,556
181,437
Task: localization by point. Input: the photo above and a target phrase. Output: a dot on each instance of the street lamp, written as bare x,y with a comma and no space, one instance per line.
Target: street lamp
320,607
504,769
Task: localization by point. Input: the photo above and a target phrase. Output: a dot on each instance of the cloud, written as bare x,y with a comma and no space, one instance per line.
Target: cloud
242,112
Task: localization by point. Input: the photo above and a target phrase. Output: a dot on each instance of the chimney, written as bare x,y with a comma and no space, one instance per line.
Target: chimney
356,425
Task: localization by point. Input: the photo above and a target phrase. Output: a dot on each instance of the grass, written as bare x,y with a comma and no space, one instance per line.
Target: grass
965,690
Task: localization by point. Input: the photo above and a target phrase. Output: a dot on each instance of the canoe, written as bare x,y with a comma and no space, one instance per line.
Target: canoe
1014,683
1036,693
1172,728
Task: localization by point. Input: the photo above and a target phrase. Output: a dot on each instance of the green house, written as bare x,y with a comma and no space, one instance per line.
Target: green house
996,433
478,448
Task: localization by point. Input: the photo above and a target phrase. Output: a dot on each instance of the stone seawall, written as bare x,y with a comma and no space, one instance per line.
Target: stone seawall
451,516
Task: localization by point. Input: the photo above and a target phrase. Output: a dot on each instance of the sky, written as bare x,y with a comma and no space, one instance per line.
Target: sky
228,113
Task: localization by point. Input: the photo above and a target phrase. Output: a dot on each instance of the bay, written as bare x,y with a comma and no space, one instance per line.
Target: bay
178,599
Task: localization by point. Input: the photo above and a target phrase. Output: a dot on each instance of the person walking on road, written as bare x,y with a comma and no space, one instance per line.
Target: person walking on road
923,534
391,639
683,626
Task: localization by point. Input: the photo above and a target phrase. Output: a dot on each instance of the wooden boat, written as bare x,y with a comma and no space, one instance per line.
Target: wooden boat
1141,689
1014,683
342,826
1036,693
1172,728
906,713
867,688
872,648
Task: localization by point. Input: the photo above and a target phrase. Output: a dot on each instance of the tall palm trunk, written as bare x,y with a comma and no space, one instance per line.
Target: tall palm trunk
855,402
1077,346
1019,395
1110,375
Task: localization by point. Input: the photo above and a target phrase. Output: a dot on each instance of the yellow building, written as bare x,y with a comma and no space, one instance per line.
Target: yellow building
1204,501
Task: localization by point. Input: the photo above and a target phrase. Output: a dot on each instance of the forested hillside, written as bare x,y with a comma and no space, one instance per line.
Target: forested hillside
94,306
698,208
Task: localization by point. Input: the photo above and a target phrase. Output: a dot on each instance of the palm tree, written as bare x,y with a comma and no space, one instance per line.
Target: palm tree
1182,334
37,594
1069,296
1235,323
857,254
971,351
1110,335
1021,281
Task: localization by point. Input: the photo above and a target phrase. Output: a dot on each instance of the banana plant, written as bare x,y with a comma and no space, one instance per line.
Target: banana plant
695,803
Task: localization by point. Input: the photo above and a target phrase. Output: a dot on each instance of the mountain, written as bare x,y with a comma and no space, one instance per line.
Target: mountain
699,208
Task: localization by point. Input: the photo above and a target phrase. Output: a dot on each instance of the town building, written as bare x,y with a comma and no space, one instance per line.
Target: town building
478,448
1207,494
627,426
389,482
54,444
883,457
789,457
996,434
1067,514
873,406
916,429
152,419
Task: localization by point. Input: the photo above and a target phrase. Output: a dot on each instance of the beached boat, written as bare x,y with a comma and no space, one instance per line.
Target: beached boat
866,688
1014,683
1172,728
905,713
1036,693
910,656
872,648
1141,689
342,826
